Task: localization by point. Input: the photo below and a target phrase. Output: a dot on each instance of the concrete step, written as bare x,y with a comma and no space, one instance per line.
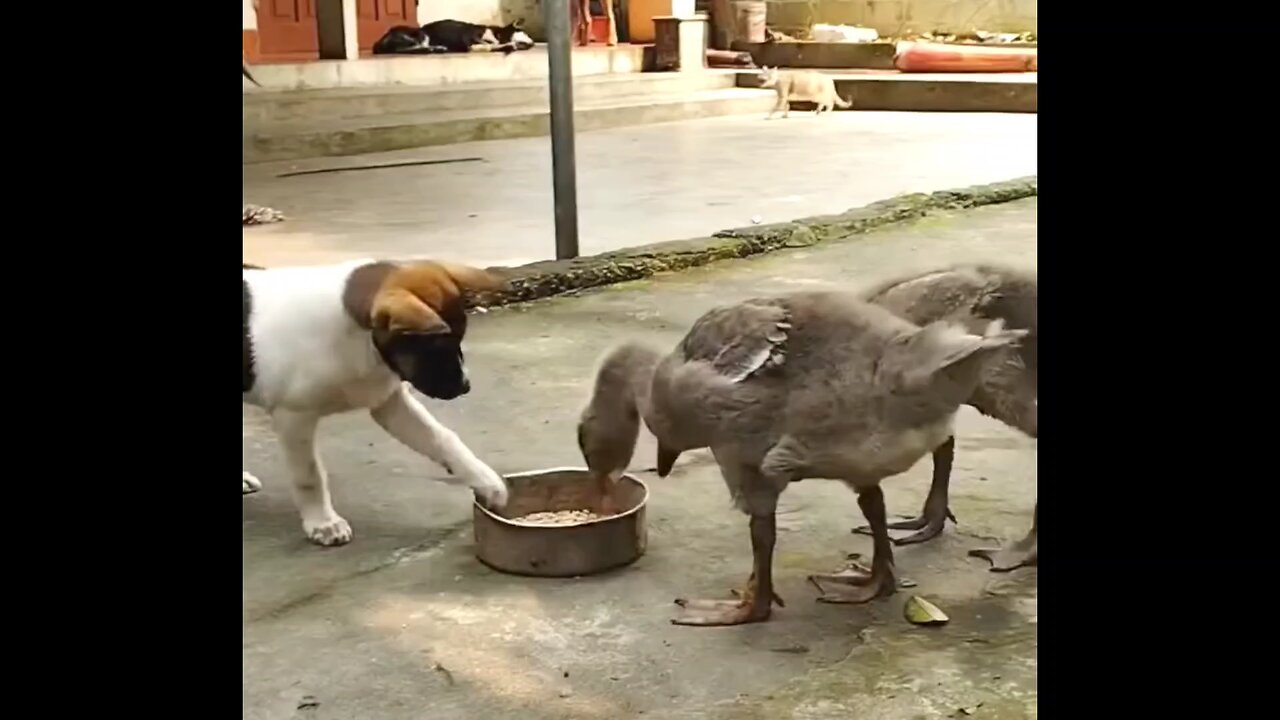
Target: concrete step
353,136
266,108
440,69
929,92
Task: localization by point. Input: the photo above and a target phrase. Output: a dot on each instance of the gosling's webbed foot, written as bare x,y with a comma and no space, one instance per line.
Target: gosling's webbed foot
928,526
1010,557
708,613
776,599
856,583
727,612
855,574
854,587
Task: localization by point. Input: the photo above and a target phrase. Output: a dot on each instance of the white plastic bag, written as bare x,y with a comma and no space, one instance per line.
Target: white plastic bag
822,32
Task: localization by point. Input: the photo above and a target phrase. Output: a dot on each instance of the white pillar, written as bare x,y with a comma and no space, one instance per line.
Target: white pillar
336,27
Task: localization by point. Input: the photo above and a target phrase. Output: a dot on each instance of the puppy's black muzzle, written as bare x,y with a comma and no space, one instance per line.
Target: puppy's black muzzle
431,363
441,392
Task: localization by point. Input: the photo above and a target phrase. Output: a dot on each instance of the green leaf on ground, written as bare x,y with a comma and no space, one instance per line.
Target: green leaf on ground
922,612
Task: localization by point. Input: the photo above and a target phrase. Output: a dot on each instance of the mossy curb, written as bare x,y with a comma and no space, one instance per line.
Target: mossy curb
556,277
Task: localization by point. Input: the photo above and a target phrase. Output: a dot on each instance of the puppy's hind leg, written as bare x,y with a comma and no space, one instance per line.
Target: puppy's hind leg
405,419
297,433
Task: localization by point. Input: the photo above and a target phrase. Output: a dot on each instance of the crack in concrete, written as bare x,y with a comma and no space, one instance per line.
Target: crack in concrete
412,553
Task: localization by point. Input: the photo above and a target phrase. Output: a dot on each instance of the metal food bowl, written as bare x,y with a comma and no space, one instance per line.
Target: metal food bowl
581,548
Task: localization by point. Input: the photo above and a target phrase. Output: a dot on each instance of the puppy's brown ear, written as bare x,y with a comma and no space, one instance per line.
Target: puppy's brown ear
398,310
474,279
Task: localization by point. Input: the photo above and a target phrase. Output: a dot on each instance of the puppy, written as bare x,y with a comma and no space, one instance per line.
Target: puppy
330,339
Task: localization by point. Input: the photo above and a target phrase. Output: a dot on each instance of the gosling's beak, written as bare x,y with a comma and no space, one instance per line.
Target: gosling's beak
666,460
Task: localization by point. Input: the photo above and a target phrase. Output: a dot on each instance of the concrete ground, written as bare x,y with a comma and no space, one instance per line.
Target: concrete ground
405,623
636,185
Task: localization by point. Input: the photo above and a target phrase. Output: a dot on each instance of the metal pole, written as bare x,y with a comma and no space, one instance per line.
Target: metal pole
563,164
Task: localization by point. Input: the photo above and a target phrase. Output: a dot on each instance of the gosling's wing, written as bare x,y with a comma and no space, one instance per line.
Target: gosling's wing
940,345
972,295
740,341
1015,300
969,295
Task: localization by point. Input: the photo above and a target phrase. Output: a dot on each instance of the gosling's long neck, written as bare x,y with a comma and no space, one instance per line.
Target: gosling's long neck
626,379
640,383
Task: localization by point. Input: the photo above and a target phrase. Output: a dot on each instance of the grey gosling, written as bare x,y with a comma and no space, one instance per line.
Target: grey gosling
804,385
974,296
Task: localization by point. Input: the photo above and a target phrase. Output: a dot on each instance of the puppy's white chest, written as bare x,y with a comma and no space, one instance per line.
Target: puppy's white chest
369,391
349,376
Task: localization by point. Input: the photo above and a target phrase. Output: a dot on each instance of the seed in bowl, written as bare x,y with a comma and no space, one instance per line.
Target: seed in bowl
559,517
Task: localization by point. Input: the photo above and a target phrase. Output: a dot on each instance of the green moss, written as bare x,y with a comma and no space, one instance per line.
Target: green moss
555,277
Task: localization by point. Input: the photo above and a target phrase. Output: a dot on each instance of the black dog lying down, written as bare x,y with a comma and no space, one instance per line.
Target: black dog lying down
452,36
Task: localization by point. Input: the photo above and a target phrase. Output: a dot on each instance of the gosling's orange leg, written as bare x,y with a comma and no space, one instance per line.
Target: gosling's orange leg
935,514
855,587
755,602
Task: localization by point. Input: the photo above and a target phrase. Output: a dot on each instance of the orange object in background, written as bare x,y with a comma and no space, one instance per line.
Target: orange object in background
596,28
599,30
936,58
640,15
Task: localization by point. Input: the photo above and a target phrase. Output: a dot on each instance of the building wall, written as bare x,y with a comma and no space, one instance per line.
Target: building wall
249,31
497,12
892,17
887,16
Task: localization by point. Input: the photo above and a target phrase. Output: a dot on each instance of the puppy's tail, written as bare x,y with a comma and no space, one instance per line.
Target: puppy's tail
842,103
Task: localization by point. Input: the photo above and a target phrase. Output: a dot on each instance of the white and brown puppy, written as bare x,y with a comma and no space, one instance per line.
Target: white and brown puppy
329,339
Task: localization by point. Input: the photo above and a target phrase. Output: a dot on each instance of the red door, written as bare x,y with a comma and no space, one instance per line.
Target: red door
375,17
287,30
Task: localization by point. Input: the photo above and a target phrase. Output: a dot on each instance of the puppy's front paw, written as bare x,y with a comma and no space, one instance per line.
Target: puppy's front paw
489,487
249,483
328,530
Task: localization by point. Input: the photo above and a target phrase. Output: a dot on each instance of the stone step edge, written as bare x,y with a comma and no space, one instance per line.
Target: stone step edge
509,102
394,121
528,122
549,278
260,96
